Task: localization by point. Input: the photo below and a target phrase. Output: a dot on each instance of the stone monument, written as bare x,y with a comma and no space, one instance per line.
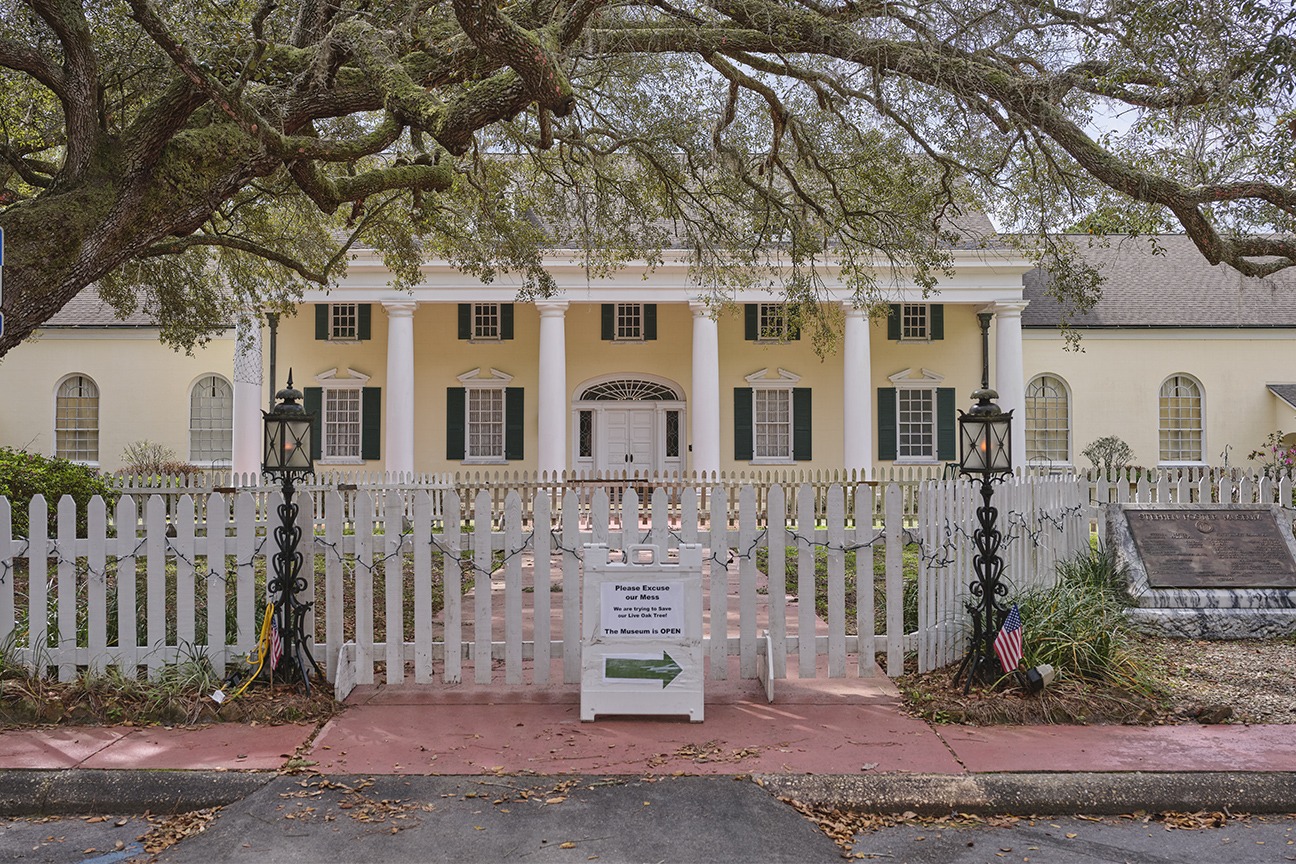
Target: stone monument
1207,571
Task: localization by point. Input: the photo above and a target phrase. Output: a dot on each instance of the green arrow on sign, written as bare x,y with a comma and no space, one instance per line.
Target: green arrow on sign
665,670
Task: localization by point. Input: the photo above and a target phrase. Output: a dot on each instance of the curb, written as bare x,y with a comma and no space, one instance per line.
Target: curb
81,791
89,791
1027,794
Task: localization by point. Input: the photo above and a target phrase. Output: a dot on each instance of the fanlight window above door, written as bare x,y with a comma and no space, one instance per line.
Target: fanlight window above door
630,390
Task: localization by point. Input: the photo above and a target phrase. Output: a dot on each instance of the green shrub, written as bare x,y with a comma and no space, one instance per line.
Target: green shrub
1078,626
24,475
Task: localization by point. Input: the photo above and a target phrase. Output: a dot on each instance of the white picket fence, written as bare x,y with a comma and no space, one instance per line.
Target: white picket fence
155,583
1186,486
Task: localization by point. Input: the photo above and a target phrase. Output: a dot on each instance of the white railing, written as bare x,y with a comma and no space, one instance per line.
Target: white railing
163,580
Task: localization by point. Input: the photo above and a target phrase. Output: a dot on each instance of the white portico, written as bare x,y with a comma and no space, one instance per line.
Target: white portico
634,372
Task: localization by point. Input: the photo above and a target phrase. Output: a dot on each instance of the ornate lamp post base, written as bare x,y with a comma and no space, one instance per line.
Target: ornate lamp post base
290,613
981,663
287,456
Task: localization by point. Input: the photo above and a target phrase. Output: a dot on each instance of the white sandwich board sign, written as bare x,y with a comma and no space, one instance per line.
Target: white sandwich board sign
641,646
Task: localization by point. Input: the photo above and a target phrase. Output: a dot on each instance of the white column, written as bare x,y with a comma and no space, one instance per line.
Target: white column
248,401
1009,378
398,419
554,406
857,395
704,408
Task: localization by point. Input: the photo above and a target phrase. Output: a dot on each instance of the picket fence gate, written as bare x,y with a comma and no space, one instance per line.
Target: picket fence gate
150,583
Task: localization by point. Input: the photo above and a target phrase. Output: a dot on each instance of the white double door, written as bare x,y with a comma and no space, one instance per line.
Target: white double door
629,440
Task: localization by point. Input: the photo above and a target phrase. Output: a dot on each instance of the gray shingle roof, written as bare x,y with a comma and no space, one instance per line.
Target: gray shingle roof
1175,287
974,230
1285,392
88,309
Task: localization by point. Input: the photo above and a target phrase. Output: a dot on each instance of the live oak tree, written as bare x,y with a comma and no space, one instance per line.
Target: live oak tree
200,159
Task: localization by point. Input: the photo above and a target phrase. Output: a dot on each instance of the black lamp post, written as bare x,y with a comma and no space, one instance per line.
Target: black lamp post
985,454
287,456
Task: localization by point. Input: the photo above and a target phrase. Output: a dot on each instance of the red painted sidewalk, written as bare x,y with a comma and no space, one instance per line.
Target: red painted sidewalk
846,726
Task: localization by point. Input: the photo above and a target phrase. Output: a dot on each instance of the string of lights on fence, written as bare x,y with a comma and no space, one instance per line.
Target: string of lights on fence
943,554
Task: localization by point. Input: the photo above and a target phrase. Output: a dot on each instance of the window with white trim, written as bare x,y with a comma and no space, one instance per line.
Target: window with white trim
486,322
484,418
341,426
916,423
915,322
772,418
1048,420
485,426
629,322
76,420
344,322
771,322
211,420
1180,406
772,423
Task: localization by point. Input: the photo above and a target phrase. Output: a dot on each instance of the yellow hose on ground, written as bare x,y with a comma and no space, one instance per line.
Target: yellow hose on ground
263,648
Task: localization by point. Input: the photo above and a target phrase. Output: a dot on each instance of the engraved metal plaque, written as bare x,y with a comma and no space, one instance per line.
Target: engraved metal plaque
1205,548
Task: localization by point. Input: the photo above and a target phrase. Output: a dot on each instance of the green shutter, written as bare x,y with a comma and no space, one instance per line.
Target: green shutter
946,444
886,419
937,321
371,423
801,437
742,424
456,404
893,322
321,321
313,402
609,322
364,321
650,321
465,320
506,320
514,423
751,323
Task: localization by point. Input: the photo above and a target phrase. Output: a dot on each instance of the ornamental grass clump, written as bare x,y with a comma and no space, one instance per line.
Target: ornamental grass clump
1078,626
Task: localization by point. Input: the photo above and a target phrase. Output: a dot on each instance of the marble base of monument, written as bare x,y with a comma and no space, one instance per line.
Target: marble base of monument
1220,571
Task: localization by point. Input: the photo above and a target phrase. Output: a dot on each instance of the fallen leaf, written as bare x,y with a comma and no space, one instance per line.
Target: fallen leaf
567,845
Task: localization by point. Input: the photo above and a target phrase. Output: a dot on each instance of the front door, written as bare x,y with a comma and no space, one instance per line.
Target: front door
631,440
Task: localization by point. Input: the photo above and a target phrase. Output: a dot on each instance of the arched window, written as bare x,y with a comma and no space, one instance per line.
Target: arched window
629,390
1181,420
76,420
1048,420
211,420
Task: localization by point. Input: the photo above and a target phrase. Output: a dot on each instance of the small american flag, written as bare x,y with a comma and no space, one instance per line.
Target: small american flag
1008,644
276,643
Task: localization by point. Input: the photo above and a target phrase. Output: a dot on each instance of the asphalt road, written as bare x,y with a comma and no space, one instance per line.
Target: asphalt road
1070,840
434,819
546,819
